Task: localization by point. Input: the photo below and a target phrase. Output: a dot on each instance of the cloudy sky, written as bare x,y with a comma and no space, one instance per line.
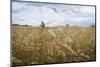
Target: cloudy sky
52,14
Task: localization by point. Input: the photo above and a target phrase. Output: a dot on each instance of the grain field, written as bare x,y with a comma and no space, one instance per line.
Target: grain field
36,45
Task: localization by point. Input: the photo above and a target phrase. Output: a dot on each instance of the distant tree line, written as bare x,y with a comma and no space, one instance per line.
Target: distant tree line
15,24
19,25
43,25
92,25
67,25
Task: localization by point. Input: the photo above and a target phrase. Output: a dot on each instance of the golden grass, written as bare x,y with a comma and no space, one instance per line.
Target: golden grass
34,45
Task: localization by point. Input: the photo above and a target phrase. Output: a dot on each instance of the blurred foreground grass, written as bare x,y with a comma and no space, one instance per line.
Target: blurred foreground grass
33,45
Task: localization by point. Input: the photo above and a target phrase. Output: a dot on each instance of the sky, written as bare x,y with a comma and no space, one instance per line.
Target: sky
31,13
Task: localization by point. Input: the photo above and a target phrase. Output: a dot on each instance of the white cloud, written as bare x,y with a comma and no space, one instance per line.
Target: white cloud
52,14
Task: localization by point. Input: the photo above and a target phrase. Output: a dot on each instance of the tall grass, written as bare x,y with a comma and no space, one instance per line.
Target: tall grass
33,45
